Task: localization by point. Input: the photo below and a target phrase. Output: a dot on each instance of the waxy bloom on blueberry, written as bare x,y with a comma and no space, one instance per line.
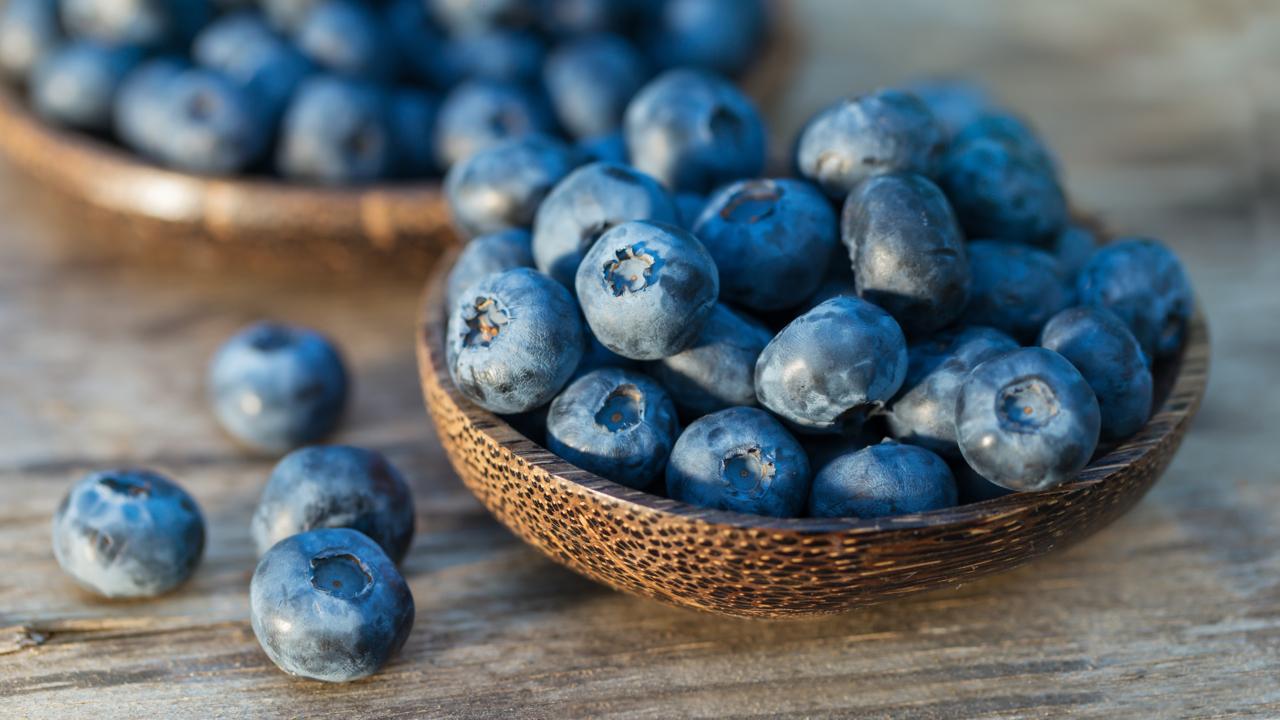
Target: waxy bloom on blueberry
1101,347
881,481
501,186
1015,288
718,370
1144,283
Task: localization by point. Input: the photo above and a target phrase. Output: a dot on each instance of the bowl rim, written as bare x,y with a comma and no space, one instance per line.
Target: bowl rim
1188,370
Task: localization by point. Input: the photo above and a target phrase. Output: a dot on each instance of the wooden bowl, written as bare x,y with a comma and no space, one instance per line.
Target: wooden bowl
748,565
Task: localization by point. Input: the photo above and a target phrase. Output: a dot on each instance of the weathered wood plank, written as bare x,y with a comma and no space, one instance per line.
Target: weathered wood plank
1167,118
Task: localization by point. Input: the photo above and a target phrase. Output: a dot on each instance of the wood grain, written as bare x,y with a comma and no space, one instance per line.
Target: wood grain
1167,118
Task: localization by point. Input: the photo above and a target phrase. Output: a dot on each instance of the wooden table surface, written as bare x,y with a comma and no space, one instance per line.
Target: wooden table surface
1167,117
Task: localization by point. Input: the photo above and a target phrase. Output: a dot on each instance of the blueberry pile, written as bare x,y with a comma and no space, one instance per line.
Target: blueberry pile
341,92
911,321
327,601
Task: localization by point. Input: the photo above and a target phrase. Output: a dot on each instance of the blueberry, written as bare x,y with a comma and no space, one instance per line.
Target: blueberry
514,340
1143,282
924,413
349,38
954,103
833,365
907,251
142,105
514,56
615,423
275,387
882,132
718,370
336,486
29,31
151,23
694,131
329,605
588,203
1015,288
1001,193
590,81
288,15
501,186
1027,420
881,481
481,113
248,51
689,208
212,125
721,35
128,534
469,16
1105,352
1014,133
611,148
647,289
1073,247
487,255
336,132
413,119
419,44
76,84
582,17
742,460
771,240
596,356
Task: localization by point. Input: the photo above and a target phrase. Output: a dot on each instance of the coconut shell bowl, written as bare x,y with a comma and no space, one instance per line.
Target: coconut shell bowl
747,565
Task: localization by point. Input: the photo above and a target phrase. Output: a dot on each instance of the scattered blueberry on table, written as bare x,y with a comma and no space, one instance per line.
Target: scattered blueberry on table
329,605
128,534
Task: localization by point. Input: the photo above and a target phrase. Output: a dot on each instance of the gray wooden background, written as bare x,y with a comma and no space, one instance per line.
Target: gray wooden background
1166,114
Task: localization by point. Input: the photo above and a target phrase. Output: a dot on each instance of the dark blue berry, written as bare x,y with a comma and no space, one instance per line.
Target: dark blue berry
771,240
1073,248
740,459
514,340
1142,282
689,208
142,105
329,605
487,255
611,148
907,251
29,31
413,121
212,125
128,534
721,35
615,423
647,289
148,23
514,56
469,16
881,481
590,80
501,186
76,84
954,103
481,113
248,51
276,387
419,44
718,370
1027,420
1014,133
1015,288
336,132
349,38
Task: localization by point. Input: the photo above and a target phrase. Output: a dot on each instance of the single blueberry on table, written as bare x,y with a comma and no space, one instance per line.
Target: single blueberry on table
1144,283
1027,420
502,186
647,289
833,365
907,251
276,387
611,148
615,423
413,120
418,43
694,131
128,534
142,105
924,413
336,132
954,103
740,459
336,486
76,84
478,114
1073,248
329,605
771,240
590,80
349,38
883,132
146,23
212,125
29,31
589,202
462,17
1015,288
1000,193
721,35
244,47
718,370
882,481
514,340
487,255
504,55
1105,352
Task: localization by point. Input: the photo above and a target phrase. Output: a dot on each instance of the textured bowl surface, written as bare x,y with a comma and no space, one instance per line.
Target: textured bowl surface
748,565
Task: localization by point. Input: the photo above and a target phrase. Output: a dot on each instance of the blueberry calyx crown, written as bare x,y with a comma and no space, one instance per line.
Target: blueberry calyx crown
753,203
1026,405
270,337
341,575
485,320
126,486
633,269
747,470
622,409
